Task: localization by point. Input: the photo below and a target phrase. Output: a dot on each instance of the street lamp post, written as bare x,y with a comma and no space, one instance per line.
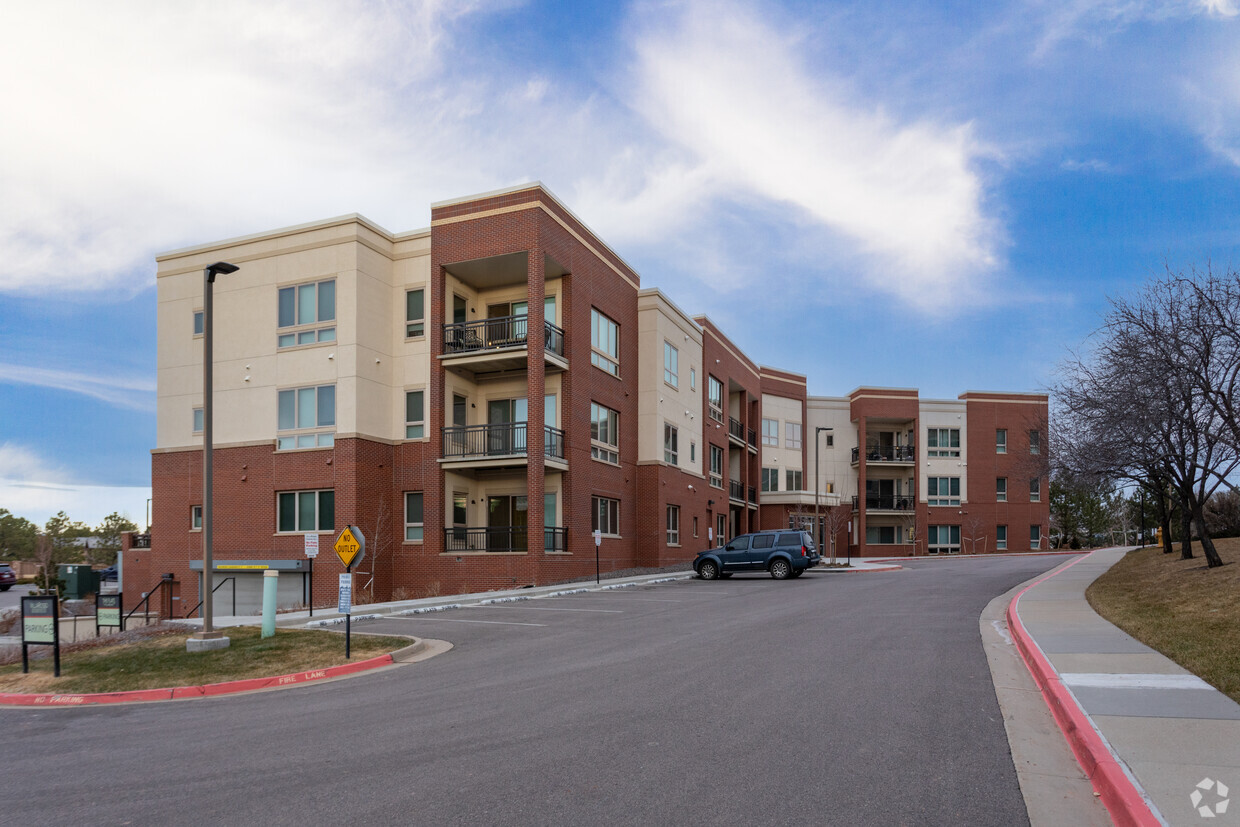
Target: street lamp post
818,492
208,638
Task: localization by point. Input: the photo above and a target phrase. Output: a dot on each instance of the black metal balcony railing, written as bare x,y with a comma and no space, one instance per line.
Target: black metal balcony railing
886,453
140,541
887,502
736,429
753,495
503,439
736,490
753,438
501,538
501,332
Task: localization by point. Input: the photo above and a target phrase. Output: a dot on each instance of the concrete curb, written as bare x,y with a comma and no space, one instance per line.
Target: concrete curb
1124,800
216,689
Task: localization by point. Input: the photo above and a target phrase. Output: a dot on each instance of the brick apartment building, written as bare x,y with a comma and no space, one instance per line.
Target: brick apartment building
392,382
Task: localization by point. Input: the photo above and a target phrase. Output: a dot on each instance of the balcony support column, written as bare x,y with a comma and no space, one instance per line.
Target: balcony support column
536,473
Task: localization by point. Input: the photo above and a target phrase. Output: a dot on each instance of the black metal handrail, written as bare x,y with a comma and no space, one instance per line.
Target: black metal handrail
140,541
216,589
553,442
495,538
555,538
753,495
736,490
735,428
887,502
496,333
498,440
146,601
553,341
753,438
886,453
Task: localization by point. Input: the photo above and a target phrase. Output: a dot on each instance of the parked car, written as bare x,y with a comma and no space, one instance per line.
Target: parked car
107,574
7,577
784,553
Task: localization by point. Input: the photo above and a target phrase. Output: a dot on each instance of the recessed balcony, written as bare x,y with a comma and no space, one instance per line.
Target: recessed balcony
890,454
499,345
501,539
736,432
499,446
895,503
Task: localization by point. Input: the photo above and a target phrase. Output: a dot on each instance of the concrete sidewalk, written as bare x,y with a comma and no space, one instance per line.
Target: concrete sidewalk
1159,744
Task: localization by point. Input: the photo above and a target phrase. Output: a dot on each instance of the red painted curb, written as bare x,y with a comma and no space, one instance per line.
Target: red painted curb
1124,801
210,690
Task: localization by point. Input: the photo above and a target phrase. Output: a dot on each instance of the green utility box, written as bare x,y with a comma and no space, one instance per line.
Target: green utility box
80,580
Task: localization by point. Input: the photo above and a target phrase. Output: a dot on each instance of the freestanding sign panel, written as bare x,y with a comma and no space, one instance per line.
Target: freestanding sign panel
344,604
108,611
41,625
350,546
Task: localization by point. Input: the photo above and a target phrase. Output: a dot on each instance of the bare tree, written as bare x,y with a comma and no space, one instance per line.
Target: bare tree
834,518
378,544
973,532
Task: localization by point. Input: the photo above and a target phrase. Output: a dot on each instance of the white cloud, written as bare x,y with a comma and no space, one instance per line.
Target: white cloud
21,463
133,393
34,488
1088,165
1093,20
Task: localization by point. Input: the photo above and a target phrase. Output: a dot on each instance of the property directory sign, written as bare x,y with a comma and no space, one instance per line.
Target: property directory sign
108,610
39,616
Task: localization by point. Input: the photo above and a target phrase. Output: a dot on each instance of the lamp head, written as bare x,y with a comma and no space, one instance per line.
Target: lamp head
220,268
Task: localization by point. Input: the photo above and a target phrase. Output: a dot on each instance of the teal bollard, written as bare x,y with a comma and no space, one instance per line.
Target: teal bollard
270,578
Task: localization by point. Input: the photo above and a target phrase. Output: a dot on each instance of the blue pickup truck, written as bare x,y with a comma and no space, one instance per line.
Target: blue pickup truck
785,554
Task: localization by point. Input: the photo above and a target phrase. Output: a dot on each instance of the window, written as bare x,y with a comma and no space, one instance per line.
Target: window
692,451
1035,490
770,479
413,515
830,440
943,442
1035,536
1001,490
415,415
197,420
792,435
198,321
604,434
695,528
794,481
301,409
1001,441
944,539
195,517
671,436
605,515
604,343
716,466
692,379
415,313
714,398
1035,442
671,365
306,511
943,490
770,432
881,534
673,525
304,308
1001,537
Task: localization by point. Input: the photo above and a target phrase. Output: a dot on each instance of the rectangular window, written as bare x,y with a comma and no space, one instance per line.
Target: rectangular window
1001,537
673,525
1035,536
881,534
671,365
792,435
604,434
716,466
413,515
605,515
1035,490
943,442
770,479
1035,442
830,440
415,414
198,322
944,539
714,398
692,379
306,511
794,480
692,451
198,420
695,527
770,432
671,438
943,490
1001,489
302,310
195,517
604,343
1001,441
415,313
303,409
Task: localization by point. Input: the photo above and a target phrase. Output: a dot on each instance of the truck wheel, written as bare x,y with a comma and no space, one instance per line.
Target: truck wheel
780,569
708,570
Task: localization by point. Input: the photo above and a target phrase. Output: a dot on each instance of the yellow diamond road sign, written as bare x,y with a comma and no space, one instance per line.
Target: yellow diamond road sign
350,546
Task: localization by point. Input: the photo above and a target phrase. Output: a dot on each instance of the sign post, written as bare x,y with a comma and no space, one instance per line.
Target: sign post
108,611
312,551
41,625
350,547
598,541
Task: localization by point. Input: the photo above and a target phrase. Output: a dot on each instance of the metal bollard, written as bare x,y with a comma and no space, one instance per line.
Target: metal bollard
270,578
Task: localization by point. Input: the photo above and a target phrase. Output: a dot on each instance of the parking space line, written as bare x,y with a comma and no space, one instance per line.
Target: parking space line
644,599
549,609
432,618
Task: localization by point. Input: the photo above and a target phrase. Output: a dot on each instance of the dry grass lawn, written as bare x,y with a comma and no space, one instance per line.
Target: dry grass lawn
156,658
1188,612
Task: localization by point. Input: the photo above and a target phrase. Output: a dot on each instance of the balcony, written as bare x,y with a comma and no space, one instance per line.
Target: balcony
498,446
896,454
736,431
753,441
898,503
736,491
501,539
753,497
499,344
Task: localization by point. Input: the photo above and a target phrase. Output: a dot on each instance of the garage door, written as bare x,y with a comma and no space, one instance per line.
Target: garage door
290,592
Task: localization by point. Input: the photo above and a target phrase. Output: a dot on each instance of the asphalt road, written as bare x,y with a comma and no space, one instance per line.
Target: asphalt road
837,699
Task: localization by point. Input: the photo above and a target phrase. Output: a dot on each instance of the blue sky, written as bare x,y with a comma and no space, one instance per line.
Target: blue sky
931,195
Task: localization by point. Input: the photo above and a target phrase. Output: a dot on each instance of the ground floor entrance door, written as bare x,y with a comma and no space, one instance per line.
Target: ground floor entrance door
507,518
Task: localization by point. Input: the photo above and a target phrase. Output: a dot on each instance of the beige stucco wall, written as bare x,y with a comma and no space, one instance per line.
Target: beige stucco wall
659,321
942,413
784,410
835,461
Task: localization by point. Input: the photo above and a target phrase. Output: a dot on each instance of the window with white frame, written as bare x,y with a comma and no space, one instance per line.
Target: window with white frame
770,432
605,515
794,480
198,322
415,414
1035,536
1001,440
944,539
792,435
604,343
305,411
1001,537
195,517
306,511
716,466
692,379
303,308
1035,490
943,442
1035,442
673,525
1001,489
714,398
415,313
198,421
692,451
671,440
671,365
604,434
770,479
943,490
413,516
